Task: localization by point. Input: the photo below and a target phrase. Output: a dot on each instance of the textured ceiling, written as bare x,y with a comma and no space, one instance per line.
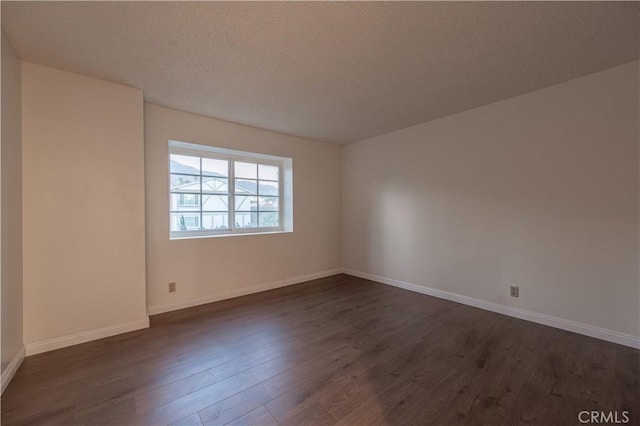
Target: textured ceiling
338,72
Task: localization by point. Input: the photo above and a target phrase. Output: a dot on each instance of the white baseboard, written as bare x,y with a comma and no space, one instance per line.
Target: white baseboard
11,369
159,309
84,336
89,335
561,323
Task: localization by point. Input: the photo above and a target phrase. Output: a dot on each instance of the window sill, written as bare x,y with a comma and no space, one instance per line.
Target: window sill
231,234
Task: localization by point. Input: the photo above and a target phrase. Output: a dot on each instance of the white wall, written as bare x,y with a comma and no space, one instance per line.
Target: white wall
209,268
538,191
11,206
83,205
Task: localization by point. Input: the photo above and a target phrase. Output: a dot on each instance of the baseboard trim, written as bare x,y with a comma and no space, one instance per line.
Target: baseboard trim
561,323
12,368
168,307
84,336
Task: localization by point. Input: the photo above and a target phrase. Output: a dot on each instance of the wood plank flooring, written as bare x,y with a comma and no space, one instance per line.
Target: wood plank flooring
339,350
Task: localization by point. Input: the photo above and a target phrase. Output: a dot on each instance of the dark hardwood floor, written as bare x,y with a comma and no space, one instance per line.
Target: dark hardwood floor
339,350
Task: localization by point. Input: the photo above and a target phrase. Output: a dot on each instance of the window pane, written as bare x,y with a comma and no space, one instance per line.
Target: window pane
185,221
215,191
246,170
268,204
211,167
245,186
246,203
184,183
246,220
268,172
215,220
184,164
269,219
215,202
185,202
268,188
215,184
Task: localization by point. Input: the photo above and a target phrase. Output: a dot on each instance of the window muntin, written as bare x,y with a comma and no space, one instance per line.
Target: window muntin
216,193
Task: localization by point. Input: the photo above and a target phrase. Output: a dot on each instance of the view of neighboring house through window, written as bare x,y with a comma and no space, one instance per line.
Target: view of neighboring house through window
189,200
217,191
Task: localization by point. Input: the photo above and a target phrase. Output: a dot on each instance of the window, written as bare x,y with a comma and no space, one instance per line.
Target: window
189,222
188,200
216,191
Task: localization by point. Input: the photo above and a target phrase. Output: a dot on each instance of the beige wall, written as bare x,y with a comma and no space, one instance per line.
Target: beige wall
83,203
217,266
11,205
538,191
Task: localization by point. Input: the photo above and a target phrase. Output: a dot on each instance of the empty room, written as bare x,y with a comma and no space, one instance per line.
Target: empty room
318,213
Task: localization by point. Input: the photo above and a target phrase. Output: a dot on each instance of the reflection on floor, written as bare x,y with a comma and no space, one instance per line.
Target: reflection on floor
335,350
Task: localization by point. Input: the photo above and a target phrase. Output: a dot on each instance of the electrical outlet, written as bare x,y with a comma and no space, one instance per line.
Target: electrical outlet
515,291
172,287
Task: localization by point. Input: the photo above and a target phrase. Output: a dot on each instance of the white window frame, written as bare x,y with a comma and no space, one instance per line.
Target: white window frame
285,188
